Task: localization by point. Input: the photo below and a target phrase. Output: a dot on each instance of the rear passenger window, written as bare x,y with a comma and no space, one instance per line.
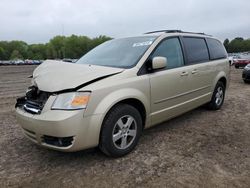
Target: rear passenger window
171,49
196,49
216,49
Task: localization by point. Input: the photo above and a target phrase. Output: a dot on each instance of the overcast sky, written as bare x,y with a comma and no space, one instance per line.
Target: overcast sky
36,21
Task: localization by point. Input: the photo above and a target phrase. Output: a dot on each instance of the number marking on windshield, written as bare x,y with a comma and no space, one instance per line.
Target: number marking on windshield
146,43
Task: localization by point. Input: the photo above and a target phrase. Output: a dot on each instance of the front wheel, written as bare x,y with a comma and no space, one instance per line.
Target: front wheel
218,97
121,130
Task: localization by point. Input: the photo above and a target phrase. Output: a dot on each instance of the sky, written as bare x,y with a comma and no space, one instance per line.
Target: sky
37,21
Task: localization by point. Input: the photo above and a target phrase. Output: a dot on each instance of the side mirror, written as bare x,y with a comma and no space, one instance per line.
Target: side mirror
159,62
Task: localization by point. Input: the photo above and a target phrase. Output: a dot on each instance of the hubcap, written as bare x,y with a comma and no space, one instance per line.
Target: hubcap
124,132
219,96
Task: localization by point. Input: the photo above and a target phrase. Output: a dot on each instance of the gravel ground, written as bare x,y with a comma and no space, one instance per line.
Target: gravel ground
198,149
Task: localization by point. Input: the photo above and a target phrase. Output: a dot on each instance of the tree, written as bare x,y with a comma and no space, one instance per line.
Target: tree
99,40
226,43
2,54
37,51
20,46
57,46
76,46
16,55
237,45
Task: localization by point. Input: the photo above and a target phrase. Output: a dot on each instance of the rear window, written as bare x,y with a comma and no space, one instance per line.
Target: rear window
196,49
216,49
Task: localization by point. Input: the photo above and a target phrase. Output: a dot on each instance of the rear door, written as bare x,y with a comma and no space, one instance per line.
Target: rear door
201,69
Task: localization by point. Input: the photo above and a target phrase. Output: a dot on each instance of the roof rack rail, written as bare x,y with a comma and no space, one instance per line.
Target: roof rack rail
174,31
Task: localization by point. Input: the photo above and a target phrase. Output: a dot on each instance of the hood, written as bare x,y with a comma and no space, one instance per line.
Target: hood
55,76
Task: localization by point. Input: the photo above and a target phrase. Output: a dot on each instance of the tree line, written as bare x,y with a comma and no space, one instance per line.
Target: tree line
58,47
74,47
237,45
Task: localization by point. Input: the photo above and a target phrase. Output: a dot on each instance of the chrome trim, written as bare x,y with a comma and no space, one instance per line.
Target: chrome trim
182,94
36,111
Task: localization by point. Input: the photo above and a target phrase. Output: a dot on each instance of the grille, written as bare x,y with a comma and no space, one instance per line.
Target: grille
34,100
58,141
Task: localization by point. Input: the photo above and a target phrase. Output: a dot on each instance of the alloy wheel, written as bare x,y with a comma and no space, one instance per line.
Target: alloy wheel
124,132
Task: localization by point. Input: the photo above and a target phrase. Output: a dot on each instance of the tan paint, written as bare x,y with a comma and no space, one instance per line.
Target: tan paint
164,94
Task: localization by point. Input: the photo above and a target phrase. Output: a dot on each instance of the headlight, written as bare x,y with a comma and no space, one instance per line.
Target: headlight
71,101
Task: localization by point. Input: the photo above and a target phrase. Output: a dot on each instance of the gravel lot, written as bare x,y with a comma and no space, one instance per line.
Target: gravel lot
198,149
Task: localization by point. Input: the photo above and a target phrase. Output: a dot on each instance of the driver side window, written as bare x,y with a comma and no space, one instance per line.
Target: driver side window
171,49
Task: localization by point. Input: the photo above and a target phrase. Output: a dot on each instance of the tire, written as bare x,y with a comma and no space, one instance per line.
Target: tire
236,66
217,97
115,139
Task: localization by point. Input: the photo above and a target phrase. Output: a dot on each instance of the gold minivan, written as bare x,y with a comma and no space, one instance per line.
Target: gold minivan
115,91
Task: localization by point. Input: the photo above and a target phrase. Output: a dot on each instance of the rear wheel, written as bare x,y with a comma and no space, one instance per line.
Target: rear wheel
218,97
121,130
236,66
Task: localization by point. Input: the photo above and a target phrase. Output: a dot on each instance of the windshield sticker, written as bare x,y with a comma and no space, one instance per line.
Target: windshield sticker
146,43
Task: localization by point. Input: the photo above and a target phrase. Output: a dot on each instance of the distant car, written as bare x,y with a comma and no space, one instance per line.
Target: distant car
28,62
36,62
74,60
18,62
232,59
246,74
11,62
241,61
7,63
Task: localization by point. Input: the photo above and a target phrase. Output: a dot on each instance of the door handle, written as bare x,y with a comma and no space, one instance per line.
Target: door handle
194,71
184,73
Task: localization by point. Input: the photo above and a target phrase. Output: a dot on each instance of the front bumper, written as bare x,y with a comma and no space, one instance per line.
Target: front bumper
61,130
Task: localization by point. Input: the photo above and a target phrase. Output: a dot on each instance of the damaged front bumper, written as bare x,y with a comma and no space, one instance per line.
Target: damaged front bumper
64,130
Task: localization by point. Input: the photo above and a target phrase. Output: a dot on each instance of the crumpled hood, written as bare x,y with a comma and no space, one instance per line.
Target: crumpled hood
54,76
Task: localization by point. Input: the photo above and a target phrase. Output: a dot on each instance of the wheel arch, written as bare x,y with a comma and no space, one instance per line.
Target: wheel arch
223,80
132,96
137,104
221,76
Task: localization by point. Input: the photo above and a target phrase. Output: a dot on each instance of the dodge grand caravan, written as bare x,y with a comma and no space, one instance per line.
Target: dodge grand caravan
115,91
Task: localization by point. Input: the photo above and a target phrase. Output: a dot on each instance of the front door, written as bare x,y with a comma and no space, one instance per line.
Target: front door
169,87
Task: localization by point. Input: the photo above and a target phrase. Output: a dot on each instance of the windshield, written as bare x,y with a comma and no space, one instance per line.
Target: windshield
122,53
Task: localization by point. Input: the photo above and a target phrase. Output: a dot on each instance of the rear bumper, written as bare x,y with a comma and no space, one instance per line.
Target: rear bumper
241,64
61,130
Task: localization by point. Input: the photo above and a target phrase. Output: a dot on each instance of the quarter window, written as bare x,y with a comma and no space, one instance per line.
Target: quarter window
216,49
196,49
171,49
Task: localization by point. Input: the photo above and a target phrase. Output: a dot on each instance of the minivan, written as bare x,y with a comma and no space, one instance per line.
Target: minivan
121,87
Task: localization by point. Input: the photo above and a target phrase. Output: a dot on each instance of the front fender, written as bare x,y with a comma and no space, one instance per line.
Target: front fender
106,103
115,97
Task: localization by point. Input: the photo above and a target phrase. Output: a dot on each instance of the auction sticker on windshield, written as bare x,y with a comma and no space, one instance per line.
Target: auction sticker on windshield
146,43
